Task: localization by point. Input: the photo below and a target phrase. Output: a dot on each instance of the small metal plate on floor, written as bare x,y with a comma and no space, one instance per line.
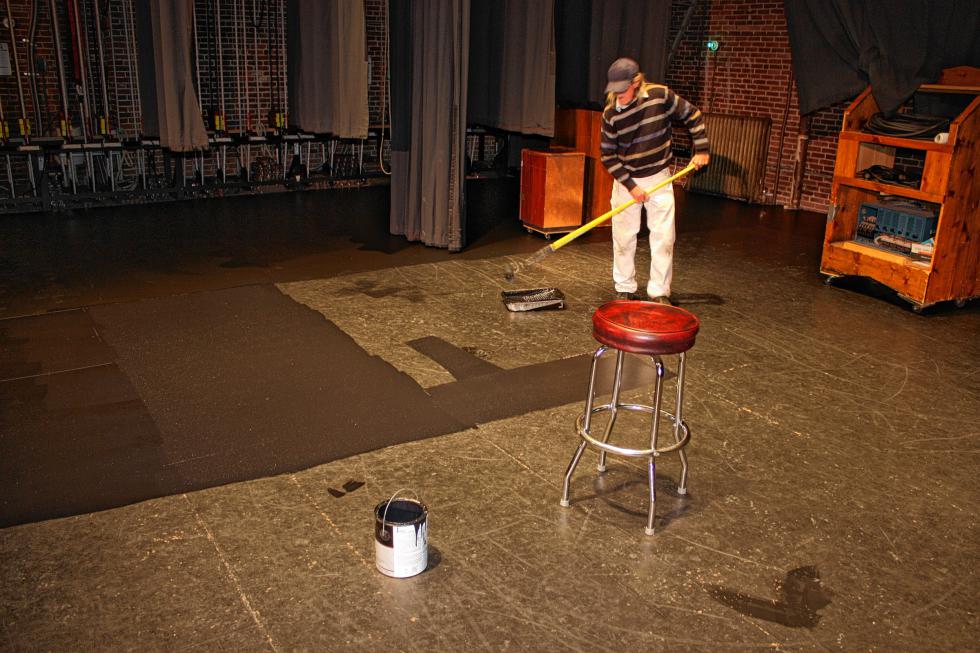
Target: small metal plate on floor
534,299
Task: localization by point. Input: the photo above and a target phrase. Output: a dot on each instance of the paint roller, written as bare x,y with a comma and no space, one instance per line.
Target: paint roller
513,269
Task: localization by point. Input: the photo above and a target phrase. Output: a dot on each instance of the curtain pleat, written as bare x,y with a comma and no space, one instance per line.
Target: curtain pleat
170,105
512,65
328,67
427,201
623,28
594,33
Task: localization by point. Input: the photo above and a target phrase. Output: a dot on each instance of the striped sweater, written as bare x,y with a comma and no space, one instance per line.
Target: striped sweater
636,139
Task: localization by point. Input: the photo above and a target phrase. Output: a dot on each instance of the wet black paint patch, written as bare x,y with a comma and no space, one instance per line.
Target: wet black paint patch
459,362
75,442
244,383
50,343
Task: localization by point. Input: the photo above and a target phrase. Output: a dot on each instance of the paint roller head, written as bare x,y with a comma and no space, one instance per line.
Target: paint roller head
513,269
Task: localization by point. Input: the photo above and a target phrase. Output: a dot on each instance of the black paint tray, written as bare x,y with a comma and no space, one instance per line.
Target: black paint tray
533,300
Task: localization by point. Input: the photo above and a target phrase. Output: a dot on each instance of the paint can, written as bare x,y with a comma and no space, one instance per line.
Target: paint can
401,537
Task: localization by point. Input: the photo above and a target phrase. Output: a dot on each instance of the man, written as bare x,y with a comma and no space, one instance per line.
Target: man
636,150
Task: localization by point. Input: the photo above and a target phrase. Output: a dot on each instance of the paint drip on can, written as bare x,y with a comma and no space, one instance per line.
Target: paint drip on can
401,537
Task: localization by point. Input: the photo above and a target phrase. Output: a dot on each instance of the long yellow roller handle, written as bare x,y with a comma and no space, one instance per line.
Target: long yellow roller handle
569,237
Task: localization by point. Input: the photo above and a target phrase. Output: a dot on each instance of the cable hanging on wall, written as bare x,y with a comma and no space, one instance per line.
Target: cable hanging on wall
385,90
284,63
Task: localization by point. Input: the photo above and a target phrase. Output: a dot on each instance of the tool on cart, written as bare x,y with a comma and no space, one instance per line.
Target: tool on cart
516,268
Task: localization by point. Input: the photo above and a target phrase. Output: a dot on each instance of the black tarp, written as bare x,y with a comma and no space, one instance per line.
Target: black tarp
591,34
327,67
512,65
842,46
169,102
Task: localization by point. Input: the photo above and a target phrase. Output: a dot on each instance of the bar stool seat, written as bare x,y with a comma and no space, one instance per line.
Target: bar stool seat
646,329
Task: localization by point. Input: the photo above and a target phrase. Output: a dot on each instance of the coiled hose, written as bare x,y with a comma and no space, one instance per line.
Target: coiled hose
906,125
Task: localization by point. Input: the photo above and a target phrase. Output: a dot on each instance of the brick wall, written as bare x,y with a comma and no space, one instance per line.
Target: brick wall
751,75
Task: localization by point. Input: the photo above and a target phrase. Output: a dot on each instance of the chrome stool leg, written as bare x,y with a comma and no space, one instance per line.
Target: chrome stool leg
584,423
678,420
654,432
587,423
564,503
613,406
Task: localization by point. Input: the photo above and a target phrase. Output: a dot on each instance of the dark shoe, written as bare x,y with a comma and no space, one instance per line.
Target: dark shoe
662,299
629,296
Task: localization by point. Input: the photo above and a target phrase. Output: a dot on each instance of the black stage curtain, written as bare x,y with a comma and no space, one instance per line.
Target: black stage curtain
573,20
400,66
327,67
429,47
512,65
591,34
169,102
841,46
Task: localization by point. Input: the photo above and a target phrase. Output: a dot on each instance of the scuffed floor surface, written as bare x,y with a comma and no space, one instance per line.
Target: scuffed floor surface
833,501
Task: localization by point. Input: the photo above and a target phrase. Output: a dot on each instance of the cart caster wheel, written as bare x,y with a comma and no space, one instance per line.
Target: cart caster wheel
829,281
960,303
917,308
547,236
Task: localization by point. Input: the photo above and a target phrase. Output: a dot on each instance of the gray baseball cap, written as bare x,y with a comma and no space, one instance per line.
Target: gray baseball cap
621,74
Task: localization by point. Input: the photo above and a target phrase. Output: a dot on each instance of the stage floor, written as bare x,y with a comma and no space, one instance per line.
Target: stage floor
833,499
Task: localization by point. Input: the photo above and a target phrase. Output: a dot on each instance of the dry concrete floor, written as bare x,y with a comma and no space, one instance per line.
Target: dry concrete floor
833,495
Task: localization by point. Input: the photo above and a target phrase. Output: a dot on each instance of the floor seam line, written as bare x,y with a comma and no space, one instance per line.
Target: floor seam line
256,617
53,372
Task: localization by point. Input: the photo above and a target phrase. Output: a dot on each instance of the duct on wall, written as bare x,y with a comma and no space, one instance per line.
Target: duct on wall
328,67
166,74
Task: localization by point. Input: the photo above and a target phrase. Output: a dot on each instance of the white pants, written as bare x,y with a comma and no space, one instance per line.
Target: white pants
660,222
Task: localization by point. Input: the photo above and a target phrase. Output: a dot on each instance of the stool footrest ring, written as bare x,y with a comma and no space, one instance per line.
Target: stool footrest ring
624,451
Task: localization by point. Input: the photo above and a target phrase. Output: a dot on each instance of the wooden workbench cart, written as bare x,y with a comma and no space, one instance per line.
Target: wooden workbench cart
950,185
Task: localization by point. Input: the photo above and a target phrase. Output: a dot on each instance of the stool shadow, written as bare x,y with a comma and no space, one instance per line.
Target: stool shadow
605,488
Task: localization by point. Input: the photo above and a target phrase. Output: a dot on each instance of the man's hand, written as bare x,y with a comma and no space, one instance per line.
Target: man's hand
700,160
639,195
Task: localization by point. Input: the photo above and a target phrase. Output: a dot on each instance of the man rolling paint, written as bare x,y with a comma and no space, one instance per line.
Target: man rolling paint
636,150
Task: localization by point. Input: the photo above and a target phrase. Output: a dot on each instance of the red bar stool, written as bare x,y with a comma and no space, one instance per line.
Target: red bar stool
648,329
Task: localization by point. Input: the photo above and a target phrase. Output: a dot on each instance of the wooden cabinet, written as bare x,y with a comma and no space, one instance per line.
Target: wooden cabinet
551,190
950,187
580,130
